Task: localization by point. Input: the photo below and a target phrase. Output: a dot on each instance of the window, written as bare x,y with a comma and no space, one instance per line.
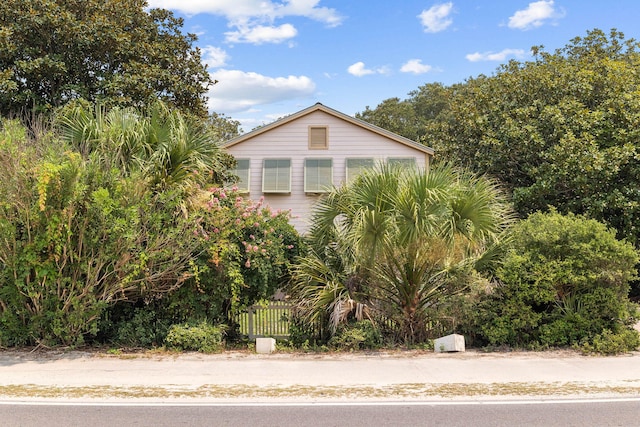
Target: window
318,175
318,138
402,162
243,172
355,167
276,176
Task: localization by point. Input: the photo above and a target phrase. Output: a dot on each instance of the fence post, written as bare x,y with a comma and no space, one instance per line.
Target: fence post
250,321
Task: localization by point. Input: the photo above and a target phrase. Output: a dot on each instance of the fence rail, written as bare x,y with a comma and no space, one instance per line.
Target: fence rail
261,321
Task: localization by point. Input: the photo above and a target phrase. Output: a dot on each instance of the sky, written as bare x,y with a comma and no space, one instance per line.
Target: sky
272,58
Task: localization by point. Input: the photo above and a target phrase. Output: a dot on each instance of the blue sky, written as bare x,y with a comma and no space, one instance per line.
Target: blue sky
275,57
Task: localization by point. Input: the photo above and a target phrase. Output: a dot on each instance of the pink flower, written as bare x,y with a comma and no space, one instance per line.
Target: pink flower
255,224
223,195
216,230
256,248
264,251
248,263
289,246
252,237
238,221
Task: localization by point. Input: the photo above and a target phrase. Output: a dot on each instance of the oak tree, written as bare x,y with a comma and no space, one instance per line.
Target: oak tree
117,52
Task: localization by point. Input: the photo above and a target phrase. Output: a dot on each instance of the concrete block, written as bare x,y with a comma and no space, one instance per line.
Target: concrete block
453,342
265,345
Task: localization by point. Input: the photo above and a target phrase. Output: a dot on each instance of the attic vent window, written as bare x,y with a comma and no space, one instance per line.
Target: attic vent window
318,138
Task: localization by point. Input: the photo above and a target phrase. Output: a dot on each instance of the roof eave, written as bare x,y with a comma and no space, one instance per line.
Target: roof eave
320,107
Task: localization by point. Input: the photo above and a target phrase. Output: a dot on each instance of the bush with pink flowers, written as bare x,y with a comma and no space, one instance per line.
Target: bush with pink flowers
246,250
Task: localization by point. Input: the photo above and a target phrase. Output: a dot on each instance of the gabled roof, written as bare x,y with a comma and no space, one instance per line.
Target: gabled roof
319,107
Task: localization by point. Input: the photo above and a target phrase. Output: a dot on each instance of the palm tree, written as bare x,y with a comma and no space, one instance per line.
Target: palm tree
406,238
163,145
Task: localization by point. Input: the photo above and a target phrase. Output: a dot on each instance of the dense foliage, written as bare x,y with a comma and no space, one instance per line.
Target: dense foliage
111,51
395,243
169,149
247,250
76,236
564,281
107,234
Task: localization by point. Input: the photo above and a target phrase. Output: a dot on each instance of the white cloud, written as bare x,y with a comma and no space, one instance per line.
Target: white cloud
252,21
261,10
240,91
359,69
415,66
309,9
495,56
214,57
534,15
436,18
260,34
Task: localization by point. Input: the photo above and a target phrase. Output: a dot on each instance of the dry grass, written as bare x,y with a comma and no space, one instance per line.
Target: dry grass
396,391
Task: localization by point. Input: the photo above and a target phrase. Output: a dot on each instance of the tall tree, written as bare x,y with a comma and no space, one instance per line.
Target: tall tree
561,130
409,117
113,51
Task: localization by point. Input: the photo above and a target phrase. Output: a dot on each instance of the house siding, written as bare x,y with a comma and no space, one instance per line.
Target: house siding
291,141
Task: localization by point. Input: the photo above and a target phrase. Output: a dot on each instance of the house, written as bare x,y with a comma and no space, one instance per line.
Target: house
294,160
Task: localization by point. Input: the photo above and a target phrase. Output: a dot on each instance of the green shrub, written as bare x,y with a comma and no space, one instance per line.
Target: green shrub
143,330
563,281
245,253
202,337
609,342
360,335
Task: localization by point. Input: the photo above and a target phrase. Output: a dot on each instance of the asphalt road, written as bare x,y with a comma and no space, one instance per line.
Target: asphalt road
582,413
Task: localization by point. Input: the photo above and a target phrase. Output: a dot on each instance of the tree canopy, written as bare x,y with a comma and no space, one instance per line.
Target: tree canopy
112,51
561,130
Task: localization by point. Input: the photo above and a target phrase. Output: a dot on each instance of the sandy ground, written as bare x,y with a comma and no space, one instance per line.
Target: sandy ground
233,376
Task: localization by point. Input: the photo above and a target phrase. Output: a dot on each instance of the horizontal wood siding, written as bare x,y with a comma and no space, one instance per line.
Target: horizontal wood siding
291,141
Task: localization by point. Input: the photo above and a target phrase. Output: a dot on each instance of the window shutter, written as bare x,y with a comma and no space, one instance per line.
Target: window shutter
355,167
276,176
318,175
402,162
243,172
